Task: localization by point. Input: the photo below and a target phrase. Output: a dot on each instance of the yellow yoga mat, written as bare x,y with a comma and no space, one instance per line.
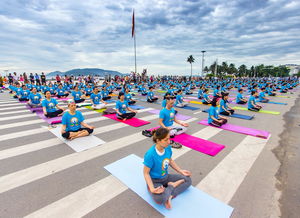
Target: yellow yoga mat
99,110
261,111
197,102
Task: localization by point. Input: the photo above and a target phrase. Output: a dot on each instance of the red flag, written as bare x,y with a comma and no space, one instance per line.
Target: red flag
132,31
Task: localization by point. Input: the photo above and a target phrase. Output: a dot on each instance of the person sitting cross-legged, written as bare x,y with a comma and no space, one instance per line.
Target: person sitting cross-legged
72,123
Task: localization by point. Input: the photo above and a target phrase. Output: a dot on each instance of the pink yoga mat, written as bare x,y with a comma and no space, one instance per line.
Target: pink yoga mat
241,129
135,122
62,99
178,116
53,120
190,97
197,144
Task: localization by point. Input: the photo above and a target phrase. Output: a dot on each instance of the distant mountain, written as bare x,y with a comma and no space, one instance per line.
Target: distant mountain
85,71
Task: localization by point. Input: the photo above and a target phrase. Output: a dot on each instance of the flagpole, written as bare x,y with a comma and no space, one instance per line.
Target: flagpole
134,53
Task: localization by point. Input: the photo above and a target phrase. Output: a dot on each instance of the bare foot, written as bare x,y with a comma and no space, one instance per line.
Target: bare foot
168,204
177,183
124,119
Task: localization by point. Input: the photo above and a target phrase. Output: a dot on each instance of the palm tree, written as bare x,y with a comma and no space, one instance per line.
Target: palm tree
191,60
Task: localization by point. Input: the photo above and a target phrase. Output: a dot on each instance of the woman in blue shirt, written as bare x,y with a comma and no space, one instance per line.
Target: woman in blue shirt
122,106
72,122
105,94
206,99
239,98
97,100
24,94
150,96
224,108
61,92
214,118
50,106
34,99
252,106
162,185
262,96
128,97
78,97
179,100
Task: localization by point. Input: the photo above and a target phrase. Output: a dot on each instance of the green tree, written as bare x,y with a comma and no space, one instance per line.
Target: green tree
191,60
242,70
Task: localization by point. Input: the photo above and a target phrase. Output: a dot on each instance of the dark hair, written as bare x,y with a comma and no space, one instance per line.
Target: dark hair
224,94
240,90
120,94
46,92
214,101
160,133
263,88
253,92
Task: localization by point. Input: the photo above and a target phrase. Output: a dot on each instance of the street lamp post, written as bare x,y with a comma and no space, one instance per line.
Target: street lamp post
202,62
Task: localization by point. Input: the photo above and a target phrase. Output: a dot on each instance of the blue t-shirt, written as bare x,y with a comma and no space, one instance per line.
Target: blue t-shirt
60,91
261,96
216,92
25,93
35,98
239,97
150,95
72,122
168,116
50,105
76,95
164,103
251,99
205,97
213,111
179,99
96,98
104,93
224,104
88,91
158,164
122,106
128,97
200,93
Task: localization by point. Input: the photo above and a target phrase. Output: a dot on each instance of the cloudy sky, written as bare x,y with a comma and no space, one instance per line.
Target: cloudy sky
49,35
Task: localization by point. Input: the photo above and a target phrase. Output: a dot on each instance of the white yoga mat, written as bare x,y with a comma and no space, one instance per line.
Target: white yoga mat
78,144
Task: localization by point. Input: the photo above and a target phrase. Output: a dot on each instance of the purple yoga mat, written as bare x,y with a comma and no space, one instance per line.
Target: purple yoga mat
190,97
241,129
35,109
197,144
53,120
178,116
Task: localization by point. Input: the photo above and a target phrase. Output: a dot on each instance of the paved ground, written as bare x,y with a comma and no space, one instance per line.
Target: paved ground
42,177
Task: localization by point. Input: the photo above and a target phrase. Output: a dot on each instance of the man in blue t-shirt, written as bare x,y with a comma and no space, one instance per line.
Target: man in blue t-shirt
96,98
262,96
24,94
239,98
150,96
179,100
72,122
252,106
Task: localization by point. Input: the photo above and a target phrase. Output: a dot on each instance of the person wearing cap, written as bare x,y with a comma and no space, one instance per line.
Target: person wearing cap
73,125
50,106
150,96
97,100
122,107
239,98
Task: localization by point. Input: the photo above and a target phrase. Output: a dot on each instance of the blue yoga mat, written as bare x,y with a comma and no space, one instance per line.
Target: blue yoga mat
136,107
240,116
274,102
189,108
110,101
191,203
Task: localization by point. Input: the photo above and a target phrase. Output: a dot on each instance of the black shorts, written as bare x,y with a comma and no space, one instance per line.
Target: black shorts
66,135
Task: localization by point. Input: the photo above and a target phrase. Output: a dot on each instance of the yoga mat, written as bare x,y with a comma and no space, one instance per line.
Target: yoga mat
78,144
98,110
240,116
161,91
192,203
198,102
34,109
53,120
190,97
240,129
136,107
110,101
83,104
112,95
62,99
281,96
198,144
261,111
178,116
274,102
189,108
135,122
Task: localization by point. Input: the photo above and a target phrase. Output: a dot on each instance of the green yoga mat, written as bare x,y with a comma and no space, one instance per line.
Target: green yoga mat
261,111
99,110
282,96
161,91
